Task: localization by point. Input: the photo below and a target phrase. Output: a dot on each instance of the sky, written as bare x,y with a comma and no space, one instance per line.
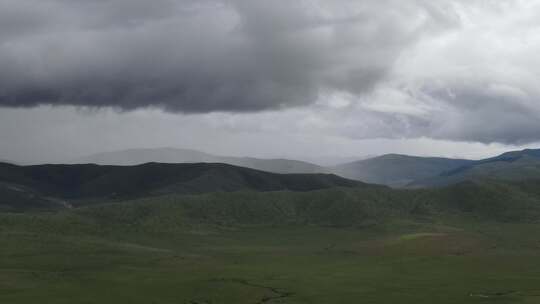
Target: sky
304,79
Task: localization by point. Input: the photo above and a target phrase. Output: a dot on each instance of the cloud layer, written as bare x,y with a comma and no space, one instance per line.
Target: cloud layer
450,69
200,56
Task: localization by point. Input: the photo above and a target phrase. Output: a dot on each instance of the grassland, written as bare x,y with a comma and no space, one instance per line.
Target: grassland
285,248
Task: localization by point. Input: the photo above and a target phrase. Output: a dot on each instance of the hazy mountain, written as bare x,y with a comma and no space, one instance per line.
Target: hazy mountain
509,166
397,170
331,161
74,182
173,155
392,169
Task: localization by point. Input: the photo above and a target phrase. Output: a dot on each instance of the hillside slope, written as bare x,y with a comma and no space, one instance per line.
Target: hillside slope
335,207
510,166
75,182
280,247
17,198
296,198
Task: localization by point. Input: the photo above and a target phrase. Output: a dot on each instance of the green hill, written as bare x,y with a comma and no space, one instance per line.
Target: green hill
270,198
77,182
160,241
358,207
17,198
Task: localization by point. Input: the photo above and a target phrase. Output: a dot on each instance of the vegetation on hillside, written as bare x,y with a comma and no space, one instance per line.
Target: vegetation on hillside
213,233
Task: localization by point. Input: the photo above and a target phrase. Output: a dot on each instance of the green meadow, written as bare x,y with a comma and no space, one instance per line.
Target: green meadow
164,250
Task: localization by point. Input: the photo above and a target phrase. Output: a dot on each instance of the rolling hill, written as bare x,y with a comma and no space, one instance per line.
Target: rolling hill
509,166
461,244
18,198
397,170
355,207
76,182
403,171
269,197
175,233
173,155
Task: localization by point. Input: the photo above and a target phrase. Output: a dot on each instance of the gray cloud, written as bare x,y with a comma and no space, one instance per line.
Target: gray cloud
58,134
201,56
487,113
459,70
468,112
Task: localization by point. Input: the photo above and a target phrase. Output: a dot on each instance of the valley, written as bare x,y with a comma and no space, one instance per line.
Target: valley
269,152
215,233
337,245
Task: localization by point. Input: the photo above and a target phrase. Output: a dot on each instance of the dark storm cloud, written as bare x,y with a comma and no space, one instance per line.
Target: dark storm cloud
451,69
201,56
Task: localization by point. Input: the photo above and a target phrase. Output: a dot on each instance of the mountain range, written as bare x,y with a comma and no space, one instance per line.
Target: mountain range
173,155
329,198
395,170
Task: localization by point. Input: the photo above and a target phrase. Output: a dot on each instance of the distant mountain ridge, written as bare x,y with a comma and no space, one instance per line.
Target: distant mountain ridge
509,166
404,171
397,170
174,155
